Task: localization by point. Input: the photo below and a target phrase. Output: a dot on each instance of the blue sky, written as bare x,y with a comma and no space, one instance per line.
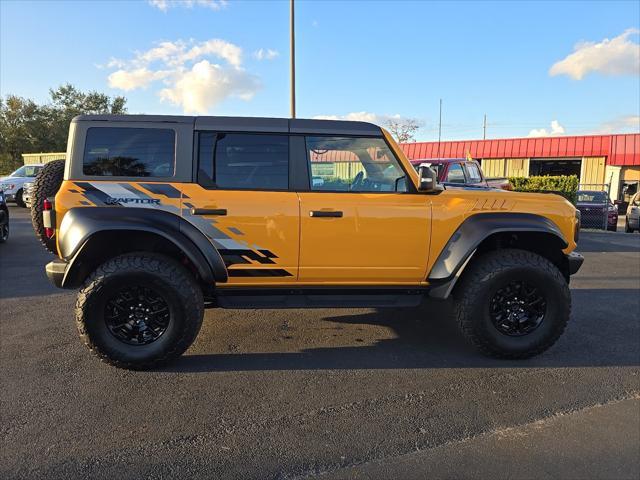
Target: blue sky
359,59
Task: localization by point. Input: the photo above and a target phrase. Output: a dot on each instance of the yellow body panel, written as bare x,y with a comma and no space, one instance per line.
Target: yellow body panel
381,239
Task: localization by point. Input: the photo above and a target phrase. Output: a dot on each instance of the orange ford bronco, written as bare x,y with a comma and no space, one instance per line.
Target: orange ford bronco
157,218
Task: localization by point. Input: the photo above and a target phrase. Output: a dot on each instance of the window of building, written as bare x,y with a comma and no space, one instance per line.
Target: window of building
129,152
244,161
353,164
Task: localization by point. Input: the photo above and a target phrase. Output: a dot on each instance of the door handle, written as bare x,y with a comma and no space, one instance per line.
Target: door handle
209,211
325,213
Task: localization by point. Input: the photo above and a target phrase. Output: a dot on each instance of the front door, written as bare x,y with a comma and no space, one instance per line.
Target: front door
242,203
360,224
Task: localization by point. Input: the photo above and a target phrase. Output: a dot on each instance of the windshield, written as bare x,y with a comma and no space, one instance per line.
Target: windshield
592,197
26,171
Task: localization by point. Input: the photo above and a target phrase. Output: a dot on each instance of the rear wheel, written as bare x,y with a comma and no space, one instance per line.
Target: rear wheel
139,311
46,184
512,303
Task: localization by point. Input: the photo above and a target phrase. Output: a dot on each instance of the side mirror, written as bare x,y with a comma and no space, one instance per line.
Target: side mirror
428,180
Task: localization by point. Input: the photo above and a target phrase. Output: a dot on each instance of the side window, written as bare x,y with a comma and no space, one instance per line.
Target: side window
129,152
455,174
474,173
352,164
242,161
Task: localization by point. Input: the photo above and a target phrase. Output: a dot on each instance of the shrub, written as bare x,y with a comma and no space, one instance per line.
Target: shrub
565,185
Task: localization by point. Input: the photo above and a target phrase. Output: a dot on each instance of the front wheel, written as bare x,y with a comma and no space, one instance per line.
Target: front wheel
19,199
512,303
4,231
139,311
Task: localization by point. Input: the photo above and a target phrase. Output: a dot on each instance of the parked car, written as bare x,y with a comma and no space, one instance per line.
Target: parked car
4,219
461,172
27,194
13,185
597,210
632,217
159,217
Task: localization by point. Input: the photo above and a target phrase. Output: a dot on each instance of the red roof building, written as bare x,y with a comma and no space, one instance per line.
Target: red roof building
596,159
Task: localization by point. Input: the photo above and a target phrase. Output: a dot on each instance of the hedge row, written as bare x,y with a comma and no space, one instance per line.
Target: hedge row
565,185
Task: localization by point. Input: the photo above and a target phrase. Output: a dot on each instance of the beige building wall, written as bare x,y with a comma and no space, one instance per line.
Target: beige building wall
493,167
592,171
505,167
32,158
517,167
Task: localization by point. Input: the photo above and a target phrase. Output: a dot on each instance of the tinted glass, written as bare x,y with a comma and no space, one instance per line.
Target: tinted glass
129,152
455,174
244,161
474,173
346,164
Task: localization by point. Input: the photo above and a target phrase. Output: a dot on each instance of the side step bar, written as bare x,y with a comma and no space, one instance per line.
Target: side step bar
319,297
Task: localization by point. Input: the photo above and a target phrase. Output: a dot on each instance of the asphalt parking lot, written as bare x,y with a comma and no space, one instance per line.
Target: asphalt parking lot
333,393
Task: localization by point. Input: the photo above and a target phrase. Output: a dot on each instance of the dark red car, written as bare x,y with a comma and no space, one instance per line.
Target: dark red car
460,172
597,210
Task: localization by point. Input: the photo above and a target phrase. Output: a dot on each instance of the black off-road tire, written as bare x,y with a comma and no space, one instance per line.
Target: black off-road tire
178,289
4,231
488,273
46,185
19,199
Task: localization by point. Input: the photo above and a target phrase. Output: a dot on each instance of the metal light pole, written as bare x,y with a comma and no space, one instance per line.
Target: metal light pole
440,129
292,60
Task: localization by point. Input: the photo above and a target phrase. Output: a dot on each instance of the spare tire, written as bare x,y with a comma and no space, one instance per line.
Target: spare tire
46,185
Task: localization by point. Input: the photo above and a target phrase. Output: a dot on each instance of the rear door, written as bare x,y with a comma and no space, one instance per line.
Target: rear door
360,224
243,204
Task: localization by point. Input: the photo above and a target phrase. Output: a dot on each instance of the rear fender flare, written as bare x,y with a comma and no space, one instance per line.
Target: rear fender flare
81,226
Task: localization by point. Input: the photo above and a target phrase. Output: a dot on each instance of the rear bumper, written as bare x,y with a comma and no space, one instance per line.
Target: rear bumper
575,262
56,271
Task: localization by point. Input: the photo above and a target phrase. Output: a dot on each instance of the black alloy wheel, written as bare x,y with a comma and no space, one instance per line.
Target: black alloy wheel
517,309
137,315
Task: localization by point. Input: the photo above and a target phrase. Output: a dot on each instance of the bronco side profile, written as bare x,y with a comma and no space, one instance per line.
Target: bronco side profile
158,217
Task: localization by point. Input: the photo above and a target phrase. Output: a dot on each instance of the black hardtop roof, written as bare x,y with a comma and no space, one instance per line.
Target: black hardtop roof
249,124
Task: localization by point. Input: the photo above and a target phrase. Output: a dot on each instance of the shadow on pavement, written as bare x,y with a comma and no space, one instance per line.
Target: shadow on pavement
608,242
428,338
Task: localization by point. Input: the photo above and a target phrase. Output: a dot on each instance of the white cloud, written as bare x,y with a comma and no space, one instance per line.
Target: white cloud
266,54
206,85
623,124
165,5
139,78
362,117
618,56
187,75
556,130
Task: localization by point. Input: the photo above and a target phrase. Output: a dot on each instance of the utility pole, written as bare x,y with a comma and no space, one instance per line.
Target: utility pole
292,60
484,127
440,129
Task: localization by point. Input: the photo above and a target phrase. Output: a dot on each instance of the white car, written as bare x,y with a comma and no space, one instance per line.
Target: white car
632,221
13,185
27,193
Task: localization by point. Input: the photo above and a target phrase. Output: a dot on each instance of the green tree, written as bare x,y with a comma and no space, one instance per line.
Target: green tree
26,127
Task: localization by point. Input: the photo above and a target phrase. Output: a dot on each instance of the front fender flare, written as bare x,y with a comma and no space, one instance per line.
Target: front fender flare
468,236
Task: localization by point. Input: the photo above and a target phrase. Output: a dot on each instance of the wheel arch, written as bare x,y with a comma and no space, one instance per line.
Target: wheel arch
491,231
90,236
